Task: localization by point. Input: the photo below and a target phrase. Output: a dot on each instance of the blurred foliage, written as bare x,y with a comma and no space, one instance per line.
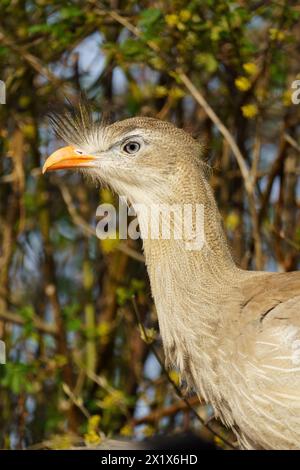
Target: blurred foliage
78,364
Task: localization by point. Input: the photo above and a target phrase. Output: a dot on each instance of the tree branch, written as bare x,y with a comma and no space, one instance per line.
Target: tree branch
168,411
38,324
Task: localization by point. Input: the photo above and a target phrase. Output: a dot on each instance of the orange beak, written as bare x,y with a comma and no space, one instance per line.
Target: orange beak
67,157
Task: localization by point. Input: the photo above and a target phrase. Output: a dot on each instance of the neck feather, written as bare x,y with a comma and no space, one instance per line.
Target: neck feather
191,287
211,263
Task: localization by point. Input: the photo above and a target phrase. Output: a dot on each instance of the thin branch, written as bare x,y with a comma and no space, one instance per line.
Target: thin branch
256,155
38,324
33,61
222,128
168,411
275,169
77,401
281,235
293,143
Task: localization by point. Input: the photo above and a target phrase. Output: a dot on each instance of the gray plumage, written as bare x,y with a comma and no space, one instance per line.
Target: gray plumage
233,334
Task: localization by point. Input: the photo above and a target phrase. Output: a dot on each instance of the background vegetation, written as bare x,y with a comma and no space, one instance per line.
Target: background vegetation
78,365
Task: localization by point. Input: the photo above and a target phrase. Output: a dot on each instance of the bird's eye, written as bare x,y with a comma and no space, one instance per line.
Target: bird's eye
131,147
78,152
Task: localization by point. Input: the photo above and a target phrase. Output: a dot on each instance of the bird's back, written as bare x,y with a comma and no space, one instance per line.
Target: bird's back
263,362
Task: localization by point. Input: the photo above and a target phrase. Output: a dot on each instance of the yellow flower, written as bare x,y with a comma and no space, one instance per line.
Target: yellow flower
24,101
148,335
250,68
149,431
103,330
249,110
174,376
287,97
181,26
177,93
172,20
276,35
106,196
242,83
185,15
161,91
232,221
157,63
29,131
219,442
92,438
196,18
114,399
109,245
94,422
126,430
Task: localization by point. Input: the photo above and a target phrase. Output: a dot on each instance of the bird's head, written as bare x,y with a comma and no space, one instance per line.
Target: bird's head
138,157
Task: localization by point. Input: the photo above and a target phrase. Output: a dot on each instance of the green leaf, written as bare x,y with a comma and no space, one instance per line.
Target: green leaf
208,61
40,28
3,50
16,377
70,12
137,285
27,312
149,17
74,324
123,295
133,48
151,23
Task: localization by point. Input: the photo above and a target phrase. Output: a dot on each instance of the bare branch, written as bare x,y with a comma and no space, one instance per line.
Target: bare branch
38,324
222,128
168,411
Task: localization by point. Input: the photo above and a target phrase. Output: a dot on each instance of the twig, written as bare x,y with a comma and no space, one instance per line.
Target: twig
168,411
176,388
37,323
293,143
281,235
222,128
256,155
77,401
276,168
33,61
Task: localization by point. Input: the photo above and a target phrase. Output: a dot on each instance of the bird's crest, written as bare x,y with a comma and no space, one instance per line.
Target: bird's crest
76,123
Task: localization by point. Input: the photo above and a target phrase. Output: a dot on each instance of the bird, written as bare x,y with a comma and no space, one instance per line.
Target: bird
233,334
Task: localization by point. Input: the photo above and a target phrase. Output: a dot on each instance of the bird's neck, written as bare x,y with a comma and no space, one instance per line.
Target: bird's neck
201,254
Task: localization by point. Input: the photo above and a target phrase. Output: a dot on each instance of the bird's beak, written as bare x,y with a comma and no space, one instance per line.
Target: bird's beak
66,157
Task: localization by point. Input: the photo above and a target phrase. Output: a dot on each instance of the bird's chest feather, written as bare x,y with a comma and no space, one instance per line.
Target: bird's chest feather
190,328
